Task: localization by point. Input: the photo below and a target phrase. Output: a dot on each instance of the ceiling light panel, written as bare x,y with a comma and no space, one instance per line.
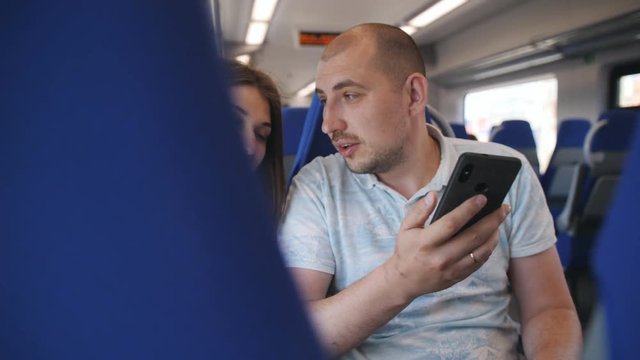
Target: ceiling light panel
435,12
256,33
263,10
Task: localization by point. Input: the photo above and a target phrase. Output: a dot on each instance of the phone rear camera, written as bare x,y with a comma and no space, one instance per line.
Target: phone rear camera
465,174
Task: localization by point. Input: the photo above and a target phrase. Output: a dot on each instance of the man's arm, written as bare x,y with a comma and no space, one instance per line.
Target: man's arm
425,260
550,325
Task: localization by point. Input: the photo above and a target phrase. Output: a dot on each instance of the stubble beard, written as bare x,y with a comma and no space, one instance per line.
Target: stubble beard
378,162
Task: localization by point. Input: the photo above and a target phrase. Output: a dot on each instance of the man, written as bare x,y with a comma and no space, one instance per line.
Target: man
382,284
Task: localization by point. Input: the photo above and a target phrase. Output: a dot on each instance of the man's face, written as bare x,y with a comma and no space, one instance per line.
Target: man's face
365,114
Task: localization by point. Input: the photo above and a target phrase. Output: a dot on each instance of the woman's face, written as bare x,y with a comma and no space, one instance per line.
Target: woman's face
253,109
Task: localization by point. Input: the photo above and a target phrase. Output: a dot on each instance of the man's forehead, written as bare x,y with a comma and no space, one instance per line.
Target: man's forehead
352,62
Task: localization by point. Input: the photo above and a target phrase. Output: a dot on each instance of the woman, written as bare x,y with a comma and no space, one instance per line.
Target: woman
256,99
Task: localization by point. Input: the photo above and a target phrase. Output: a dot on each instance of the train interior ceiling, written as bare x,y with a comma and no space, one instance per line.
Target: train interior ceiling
574,45
573,39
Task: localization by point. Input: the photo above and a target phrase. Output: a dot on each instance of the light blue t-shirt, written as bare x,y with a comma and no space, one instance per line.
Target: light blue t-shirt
345,224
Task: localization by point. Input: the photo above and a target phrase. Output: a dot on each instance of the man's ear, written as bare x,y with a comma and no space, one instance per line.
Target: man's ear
417,86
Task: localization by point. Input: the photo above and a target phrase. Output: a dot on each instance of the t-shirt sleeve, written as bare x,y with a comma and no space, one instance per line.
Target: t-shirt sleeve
529,226
304,236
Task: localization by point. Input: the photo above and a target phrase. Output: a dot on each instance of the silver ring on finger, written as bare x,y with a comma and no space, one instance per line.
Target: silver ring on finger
473,257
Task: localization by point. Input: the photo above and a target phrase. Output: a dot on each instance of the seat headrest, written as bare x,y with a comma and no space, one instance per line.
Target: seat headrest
571,132
514,133
608,140
436,119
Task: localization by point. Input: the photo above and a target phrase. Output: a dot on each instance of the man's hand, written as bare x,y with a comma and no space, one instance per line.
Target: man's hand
426,259
434,257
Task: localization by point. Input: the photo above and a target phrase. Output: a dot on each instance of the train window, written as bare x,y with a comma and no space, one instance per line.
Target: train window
629,90
534,101
624,86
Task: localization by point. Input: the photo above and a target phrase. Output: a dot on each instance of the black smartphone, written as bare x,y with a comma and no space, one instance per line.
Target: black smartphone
490,175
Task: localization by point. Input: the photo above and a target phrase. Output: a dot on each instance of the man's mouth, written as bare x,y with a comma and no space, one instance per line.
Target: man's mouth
345,148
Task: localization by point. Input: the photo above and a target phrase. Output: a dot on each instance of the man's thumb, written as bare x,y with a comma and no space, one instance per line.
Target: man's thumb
418,214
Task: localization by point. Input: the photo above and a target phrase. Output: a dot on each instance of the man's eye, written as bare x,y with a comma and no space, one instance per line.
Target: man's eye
350,96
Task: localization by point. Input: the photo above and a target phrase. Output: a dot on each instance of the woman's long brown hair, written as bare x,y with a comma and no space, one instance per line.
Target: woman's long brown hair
272,167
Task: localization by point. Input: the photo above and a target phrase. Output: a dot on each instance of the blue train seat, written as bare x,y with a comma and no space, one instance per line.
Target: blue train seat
459,130
292,125
615,261
313,142
565,161
605,149
436,119
132,225
517,134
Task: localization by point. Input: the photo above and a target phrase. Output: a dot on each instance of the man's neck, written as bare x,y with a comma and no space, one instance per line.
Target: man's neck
419,167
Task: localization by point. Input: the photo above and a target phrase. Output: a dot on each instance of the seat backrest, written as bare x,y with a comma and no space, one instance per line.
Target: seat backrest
605,150
556,180
615,260
619,114
459,130
313,142
131,223
517,134
292,125
608,141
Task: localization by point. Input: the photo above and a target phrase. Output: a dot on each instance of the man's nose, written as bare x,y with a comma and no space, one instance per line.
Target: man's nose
332,119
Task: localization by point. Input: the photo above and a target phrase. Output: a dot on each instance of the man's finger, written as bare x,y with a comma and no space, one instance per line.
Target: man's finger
478,239
451,223
418,214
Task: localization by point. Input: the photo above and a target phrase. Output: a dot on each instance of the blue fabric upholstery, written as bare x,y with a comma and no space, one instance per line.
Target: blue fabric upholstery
617,136
616,261
132,226
460,131
518,135
571,133
567,154
293,123
621,114
313,142
605,150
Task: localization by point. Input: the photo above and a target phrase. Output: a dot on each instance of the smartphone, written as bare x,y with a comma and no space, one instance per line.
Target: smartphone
490,175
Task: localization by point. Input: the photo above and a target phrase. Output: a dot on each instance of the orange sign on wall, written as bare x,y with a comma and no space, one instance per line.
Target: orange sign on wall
306,38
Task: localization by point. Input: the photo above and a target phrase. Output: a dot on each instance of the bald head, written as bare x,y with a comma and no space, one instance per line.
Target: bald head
396,54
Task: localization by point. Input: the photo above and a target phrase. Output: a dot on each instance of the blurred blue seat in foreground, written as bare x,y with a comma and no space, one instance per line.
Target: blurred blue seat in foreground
132,226
615,264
